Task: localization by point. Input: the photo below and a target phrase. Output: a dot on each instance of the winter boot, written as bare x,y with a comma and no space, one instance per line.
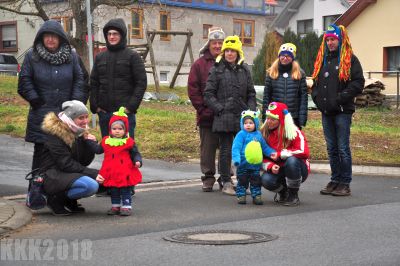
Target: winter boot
257,200
330,187
73,206
56,204
241,200
281,196
293,198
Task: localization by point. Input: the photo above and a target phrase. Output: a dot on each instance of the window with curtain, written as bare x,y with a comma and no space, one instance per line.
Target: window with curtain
304,26
8,37
245,30
392,58
328,20
137,24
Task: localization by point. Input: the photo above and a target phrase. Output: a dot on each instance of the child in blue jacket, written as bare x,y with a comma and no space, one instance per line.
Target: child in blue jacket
247,155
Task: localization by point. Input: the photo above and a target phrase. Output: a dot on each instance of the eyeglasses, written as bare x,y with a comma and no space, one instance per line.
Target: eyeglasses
230,41
113,33
286,56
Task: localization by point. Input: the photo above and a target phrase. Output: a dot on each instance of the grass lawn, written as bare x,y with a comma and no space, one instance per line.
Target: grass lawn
167,130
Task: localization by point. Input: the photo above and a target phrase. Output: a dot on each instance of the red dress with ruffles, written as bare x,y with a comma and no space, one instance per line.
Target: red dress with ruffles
118,169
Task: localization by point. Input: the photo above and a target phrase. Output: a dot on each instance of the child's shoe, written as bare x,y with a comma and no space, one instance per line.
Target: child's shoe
125,212
114,211
241,200
257,200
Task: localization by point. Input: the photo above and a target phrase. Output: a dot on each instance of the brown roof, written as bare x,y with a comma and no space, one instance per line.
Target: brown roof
356,9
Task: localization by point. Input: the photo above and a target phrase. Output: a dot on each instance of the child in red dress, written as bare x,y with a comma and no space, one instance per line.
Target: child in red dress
120,168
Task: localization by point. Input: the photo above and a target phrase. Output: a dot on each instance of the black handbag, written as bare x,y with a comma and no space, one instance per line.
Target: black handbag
36,198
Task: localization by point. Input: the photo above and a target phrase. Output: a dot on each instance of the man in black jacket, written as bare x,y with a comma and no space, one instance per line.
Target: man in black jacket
338,79
118,78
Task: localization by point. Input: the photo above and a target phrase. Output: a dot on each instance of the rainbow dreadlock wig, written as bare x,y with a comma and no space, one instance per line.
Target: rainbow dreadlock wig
344,53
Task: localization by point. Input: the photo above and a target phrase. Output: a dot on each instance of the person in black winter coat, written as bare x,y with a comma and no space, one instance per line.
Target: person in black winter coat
229,91
286,83
50,75
118,78
65,158
338,79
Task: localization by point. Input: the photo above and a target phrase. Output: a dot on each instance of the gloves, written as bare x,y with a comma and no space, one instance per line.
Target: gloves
36,103
236,163
285,154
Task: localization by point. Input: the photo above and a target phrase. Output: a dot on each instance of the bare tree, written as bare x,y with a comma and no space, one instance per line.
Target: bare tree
77,8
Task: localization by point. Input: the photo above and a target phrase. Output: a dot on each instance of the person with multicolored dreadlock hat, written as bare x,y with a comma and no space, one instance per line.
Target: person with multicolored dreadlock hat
229,91
338,78
248,149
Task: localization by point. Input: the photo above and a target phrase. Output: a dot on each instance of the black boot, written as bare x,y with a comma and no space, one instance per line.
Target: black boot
281,196
56,204
293,197
73,206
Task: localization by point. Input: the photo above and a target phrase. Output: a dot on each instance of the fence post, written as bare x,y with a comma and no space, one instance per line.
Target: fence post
397,102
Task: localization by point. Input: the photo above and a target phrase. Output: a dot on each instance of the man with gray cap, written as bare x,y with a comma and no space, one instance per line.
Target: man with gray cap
196,84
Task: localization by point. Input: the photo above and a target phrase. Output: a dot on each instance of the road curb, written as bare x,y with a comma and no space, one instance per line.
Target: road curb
21,216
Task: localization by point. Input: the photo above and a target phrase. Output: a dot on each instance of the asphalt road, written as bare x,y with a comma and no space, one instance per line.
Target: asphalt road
363,229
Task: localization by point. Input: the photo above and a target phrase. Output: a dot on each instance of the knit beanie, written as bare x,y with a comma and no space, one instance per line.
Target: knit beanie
74,108
234,43
252,115
333,31
120,116
279,111
288,49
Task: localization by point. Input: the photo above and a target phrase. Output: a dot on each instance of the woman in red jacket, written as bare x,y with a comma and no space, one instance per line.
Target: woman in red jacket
292,166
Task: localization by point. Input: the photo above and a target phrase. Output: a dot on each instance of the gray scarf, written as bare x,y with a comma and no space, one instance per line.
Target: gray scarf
58,58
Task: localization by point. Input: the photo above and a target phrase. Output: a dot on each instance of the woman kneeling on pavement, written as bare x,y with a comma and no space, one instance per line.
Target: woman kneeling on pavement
292,166
65,159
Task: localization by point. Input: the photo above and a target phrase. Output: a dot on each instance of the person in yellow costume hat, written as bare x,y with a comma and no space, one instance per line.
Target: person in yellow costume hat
229,91
286,83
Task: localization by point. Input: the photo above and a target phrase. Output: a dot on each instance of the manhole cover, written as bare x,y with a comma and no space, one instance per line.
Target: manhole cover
220,237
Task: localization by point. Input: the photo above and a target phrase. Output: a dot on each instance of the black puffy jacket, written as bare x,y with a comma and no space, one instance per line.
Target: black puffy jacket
286,90
229,91
332,96
118,77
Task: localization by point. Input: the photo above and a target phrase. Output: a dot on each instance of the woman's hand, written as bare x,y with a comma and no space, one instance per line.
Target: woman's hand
275,169
100,179
90,137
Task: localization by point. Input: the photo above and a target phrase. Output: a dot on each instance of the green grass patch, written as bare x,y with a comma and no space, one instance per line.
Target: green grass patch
167,130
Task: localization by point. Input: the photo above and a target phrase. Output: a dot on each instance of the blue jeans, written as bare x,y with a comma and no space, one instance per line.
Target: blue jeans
83,187
290,175
121,195
337,136
104,120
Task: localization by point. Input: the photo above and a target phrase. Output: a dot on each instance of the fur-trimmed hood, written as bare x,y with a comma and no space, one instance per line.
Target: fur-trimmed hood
54,126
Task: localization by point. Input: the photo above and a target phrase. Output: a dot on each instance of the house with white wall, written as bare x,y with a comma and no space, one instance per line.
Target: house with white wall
304,16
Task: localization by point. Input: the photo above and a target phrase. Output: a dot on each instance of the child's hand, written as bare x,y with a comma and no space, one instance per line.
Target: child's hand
138,164
236,163
274,156
100,179
275,169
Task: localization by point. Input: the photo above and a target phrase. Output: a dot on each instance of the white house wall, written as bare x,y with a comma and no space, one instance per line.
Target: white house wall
316,10
326,8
